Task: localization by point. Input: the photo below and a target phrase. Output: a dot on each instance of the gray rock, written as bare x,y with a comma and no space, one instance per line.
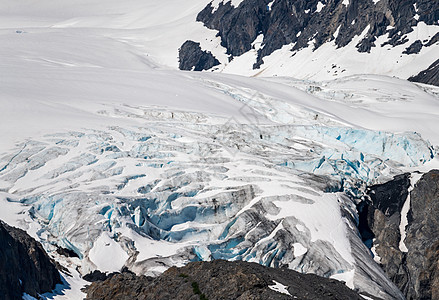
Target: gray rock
239,26
220,279
390,197
191,57
24,265
422,238
433,40
415,272
414,48
428,76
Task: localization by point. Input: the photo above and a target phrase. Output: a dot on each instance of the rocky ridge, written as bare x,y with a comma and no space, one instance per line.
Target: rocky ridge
220,279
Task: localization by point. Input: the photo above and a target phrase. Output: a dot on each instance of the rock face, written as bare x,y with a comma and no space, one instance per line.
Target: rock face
428,76
383,218
221,279
414,271
423,238
414,48
390,197
315,22
191,57
24,265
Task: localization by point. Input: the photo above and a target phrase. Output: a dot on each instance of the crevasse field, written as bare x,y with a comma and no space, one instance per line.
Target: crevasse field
108,150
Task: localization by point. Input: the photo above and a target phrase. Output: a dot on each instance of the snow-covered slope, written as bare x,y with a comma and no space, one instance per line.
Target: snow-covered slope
107,152
160,28
321,39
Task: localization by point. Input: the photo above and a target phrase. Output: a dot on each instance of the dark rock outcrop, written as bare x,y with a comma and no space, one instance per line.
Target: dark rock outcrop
191,57
220,279
66,252
303,22
423,238
429,76
383,218
24,265
390,196
238,27
416,271
414,48
97,275
433,40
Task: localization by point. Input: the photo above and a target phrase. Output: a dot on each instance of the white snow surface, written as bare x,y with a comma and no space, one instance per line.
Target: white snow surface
107,254
234,3
109,151
70,289
320,6
299,250
280,288
347,277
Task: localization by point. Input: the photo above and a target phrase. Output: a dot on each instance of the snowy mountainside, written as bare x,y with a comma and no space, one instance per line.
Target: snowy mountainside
316,40
106,152
321,39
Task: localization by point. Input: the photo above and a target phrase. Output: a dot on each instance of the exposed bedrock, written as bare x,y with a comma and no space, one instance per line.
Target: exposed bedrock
411,263
428,76
24,265
192,58
315,22
221,279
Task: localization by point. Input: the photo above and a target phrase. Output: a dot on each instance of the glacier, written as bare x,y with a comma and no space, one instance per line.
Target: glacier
276,196
108,152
